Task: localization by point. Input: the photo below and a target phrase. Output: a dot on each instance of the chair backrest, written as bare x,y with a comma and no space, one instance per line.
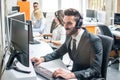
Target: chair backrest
107,45
105,30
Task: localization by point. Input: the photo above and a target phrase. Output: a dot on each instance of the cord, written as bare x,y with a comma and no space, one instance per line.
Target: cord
68,64
17,69
2,62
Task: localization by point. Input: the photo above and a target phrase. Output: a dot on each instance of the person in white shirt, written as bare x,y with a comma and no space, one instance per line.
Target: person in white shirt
58,35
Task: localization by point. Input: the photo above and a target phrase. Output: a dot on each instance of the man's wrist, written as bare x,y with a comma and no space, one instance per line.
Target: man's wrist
72,75
50,41
42,59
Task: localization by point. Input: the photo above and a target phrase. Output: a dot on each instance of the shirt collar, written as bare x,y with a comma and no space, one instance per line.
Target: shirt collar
79,34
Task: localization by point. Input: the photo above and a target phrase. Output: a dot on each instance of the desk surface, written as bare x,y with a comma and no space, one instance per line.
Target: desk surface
36,50
116,33
86,23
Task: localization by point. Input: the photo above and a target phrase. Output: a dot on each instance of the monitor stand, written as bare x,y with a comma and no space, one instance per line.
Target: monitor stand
15,75
14,66
34,42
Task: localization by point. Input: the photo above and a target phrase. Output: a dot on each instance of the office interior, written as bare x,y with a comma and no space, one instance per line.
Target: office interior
95,13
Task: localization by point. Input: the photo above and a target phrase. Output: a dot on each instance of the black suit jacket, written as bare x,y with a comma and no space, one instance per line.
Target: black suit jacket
88,58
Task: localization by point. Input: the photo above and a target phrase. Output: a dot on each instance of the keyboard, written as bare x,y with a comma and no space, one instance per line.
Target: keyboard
47,74
117,29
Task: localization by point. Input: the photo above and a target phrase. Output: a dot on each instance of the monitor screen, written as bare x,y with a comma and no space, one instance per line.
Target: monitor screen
90,13
30,31
16,8
117,18
19,37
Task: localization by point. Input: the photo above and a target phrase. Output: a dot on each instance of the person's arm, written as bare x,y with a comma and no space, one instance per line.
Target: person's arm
58,43
64,74
56,54
33,18
95,68
37,61
49,35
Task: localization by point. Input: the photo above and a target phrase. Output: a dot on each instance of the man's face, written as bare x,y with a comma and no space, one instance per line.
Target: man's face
69,24
35,6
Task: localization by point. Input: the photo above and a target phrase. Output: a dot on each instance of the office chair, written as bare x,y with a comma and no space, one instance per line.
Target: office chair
116,44
44,14
107,45
52,26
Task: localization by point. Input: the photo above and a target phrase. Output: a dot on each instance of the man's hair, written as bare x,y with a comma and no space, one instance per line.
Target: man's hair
35,3
73,12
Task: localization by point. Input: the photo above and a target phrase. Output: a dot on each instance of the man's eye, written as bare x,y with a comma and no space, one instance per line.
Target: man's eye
69,23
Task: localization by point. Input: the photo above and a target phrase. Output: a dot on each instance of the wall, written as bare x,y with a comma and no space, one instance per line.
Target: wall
2,29
118,6
10,4
110,10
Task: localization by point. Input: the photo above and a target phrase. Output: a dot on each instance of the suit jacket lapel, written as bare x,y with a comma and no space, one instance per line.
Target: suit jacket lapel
68,40
82,40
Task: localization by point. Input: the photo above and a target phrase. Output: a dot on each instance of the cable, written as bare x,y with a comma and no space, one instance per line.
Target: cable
69,64
2,62
7,48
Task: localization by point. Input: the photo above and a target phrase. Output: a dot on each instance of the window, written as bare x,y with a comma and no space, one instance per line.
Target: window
70,4
96,4
48,6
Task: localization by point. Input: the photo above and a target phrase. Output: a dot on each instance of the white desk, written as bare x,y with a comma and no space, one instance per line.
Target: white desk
86,23
41,50
116,33
36,50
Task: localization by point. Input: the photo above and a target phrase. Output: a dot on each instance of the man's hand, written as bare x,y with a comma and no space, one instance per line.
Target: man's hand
64,74
37,60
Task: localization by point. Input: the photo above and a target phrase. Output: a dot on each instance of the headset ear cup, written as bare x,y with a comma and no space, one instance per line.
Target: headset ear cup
79,24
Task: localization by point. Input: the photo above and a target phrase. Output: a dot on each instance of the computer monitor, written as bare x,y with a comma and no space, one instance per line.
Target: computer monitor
18,30
90,13
117,18
16,8
30,31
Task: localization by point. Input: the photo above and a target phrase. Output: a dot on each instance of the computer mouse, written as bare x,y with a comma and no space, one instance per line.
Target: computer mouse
117,29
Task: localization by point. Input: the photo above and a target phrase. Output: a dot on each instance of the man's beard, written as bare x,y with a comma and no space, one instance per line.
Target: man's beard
74,30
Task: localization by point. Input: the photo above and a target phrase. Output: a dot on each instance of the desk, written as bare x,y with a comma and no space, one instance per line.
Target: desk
92,23
36,50
116,33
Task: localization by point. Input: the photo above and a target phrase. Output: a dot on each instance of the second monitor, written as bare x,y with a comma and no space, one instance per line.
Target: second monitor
117,18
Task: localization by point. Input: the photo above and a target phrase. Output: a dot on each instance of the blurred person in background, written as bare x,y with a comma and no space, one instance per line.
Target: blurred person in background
37,19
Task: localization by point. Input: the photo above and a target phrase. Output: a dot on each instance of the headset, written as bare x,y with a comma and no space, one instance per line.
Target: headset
79,22
56,14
